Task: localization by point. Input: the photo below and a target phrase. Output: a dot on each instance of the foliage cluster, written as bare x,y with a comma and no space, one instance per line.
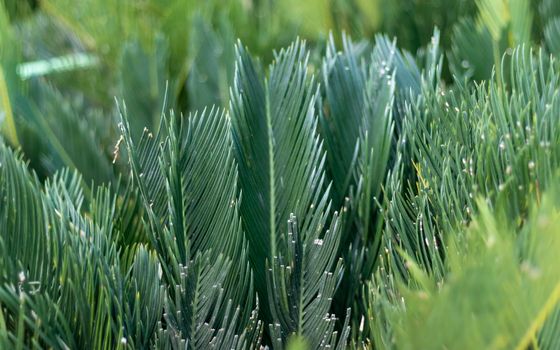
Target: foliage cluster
330,194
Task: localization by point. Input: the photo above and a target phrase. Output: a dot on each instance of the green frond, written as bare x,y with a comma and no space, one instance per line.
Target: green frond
466,63
521,21
143,300
25,238
502,307
411,74
25,235
187,178
211,73
459,153
548,9
408,76
494,15
281,166
500,24
64,283
357,121
552,35
144,82
343,113
191,310
9,52
301,285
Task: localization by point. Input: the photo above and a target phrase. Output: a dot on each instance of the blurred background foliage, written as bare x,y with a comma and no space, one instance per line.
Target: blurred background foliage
179,54
149,52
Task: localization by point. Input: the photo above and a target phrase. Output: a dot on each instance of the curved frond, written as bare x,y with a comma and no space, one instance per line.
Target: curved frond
465,62
193,312
357,122
500,297
143,73
552,35
63,283
499,142
301,285
187,179
281,165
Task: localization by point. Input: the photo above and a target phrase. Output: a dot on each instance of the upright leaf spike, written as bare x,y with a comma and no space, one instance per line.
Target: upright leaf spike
281,165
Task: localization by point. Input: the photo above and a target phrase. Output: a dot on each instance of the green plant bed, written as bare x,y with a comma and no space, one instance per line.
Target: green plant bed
338,194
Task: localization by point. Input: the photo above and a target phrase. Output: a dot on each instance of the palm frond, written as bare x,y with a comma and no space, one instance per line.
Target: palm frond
192,311
211,73
23,219
66,287
358,127
301,286
551,35
144,83
466,63
500,24
281,165
460,153
9,52
516,293
187,178
143,297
